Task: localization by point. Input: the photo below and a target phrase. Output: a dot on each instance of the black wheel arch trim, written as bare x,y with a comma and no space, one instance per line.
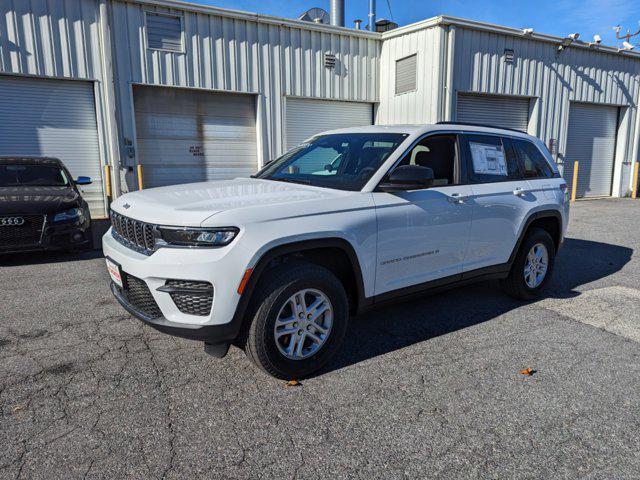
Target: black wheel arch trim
299,247
530,219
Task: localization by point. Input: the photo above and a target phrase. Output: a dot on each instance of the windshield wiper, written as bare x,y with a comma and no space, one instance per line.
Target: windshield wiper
290,180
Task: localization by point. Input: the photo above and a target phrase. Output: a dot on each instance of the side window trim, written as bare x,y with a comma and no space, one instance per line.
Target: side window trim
459,167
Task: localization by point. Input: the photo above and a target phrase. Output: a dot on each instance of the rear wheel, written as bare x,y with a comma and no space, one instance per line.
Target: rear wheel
532,267
300,319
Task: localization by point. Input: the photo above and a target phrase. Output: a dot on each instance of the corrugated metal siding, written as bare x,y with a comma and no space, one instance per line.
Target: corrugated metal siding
307,117
406,74
578,75
50,38
495,110
421,105
53,118
592,142
231,54
189,136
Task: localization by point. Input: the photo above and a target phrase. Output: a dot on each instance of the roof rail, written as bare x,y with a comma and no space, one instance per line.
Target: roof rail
471,124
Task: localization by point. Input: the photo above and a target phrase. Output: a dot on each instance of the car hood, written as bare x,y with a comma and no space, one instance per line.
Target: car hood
37,200
193,203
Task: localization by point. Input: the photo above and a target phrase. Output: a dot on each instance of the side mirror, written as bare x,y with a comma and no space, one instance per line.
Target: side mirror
83,181
408,177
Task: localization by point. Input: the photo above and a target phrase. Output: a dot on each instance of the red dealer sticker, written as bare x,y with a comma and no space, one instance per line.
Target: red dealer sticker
114,271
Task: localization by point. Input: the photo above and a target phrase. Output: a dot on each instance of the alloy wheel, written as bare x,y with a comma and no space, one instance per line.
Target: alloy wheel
303,324
536,265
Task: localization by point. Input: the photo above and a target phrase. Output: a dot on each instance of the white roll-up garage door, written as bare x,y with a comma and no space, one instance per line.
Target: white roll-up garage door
307,117
506,112
187,136
591,140
53,118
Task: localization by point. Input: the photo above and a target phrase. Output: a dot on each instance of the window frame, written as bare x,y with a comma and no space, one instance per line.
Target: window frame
459,167
164,14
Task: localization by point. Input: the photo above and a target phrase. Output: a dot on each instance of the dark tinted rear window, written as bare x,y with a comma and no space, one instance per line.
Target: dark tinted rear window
533,163
14,175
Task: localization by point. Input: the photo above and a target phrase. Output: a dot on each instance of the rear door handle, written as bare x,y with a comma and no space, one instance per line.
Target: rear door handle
457,198
519,192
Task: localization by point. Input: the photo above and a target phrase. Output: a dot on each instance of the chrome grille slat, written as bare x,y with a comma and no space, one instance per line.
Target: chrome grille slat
133,233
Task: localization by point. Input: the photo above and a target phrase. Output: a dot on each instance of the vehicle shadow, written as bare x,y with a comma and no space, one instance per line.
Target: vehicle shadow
41,258
400,325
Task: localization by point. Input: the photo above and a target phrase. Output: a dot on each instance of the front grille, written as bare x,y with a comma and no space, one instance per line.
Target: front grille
191,297
133,233
27,233
138,296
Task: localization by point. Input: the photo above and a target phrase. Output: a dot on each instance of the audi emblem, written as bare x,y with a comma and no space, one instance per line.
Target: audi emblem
11,221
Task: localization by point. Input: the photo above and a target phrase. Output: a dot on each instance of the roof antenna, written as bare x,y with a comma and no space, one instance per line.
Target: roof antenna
626,44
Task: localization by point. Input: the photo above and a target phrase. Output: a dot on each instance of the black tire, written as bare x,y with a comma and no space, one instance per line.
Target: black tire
273,291
515,285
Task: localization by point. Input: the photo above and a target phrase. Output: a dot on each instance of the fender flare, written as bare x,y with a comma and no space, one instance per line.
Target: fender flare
530,219
296,247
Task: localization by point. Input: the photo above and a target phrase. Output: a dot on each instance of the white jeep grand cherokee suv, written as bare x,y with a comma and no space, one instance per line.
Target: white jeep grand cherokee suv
349,219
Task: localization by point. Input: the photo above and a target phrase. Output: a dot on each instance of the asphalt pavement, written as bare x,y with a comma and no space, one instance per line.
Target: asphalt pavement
427,389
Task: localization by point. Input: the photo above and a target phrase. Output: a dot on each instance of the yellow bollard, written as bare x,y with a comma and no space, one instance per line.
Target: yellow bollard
107,180
574,182
140,183
634,189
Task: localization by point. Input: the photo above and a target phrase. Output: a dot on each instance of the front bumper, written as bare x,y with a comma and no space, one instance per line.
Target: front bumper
221,267
207,333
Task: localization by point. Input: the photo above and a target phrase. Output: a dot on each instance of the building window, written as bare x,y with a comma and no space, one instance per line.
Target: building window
406,74
164,32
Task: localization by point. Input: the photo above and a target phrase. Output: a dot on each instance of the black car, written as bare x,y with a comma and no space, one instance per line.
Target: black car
41,207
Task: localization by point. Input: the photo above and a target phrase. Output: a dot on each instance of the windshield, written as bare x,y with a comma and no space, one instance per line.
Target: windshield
32,175
343,161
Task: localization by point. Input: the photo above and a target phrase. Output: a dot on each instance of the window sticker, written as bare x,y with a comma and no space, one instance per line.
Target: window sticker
488,159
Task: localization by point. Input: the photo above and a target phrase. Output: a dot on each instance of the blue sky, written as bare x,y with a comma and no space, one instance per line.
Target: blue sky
558,17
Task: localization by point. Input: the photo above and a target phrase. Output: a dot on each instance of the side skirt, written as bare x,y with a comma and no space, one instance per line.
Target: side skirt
494,272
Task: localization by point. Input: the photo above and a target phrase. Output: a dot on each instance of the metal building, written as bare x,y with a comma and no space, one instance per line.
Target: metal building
581,98
194,92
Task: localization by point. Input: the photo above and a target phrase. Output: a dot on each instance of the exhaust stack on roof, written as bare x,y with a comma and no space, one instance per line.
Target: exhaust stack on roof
336,13
372,15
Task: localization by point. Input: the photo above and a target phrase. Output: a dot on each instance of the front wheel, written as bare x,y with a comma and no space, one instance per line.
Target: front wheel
532,267
301,315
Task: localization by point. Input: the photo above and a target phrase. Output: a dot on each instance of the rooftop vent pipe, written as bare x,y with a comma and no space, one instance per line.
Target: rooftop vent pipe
357,24
336,13
372,15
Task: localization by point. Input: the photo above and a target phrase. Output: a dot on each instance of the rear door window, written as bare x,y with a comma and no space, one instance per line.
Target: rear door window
532,161
490,159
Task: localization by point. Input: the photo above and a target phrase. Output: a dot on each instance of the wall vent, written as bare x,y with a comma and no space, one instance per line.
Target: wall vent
164,32
509,55
329,60
406,74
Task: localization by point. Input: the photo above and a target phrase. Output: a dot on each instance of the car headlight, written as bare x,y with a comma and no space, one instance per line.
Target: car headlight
195,237
73,214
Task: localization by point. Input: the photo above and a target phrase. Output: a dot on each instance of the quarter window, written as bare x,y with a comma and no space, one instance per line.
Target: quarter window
533,163
490,159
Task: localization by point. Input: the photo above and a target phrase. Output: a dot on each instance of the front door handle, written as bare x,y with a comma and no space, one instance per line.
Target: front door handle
519,192
457,198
